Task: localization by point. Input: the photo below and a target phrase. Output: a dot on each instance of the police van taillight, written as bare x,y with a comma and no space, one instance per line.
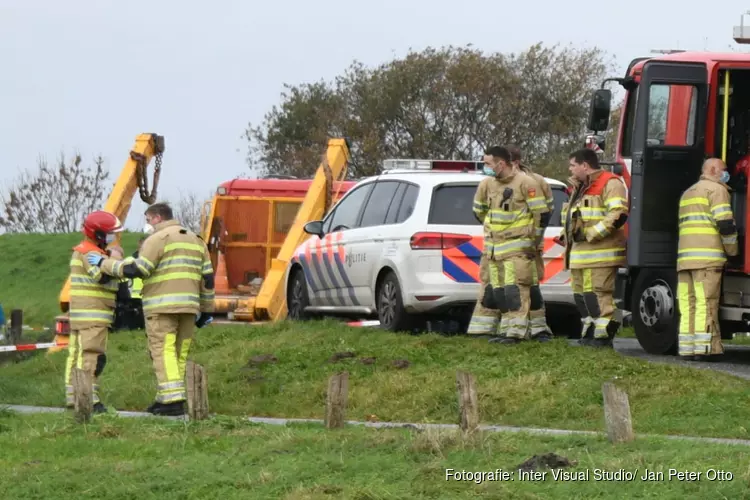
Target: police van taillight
437,241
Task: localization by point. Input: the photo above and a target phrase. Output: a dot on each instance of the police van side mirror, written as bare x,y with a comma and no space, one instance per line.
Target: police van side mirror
601,104
314,227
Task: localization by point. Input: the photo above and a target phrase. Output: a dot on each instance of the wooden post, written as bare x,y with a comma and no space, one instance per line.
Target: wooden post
336,400
617,414
83,393
467,402
197,391
16,326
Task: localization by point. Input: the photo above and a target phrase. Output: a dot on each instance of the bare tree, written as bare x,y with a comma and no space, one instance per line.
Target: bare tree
54,199
189,208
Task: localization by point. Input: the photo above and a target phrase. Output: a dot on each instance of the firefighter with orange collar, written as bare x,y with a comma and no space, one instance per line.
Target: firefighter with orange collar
593,233
92,303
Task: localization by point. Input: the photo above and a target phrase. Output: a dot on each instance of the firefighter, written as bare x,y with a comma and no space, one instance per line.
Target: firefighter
92,303
537,312
178,293
486,316
707,236
595,244
510,203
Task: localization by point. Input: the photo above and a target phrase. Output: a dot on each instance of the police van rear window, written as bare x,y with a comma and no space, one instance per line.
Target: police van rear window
452,204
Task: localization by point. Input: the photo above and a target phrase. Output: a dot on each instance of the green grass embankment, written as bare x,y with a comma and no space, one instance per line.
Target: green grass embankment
282,370
48,456
33,270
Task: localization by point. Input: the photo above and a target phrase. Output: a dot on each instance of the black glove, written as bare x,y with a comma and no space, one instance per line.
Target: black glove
203,320
579,236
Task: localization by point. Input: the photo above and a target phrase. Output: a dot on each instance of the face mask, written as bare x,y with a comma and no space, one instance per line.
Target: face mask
148,229
110,238
724,177
488,171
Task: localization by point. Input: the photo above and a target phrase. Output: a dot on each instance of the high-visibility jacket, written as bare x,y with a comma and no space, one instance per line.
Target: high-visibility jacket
92,293
136,286
707,230
597,211
507,207
176,269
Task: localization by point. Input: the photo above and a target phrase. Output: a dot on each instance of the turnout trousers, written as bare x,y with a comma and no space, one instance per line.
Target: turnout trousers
169,338
593,290
86,351
698,304
516,290
486,315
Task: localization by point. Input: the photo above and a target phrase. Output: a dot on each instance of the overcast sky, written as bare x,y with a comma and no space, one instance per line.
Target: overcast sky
91,75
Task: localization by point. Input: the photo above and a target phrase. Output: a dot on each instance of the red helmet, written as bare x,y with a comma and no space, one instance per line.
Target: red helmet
97,225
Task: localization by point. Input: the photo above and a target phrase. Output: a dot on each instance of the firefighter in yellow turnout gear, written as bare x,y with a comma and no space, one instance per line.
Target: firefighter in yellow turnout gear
178,293
707,236
92,304
595,244
486,316
537,312
508,204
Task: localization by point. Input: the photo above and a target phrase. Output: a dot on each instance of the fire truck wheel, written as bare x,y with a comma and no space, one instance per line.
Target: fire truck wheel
654,307
297,298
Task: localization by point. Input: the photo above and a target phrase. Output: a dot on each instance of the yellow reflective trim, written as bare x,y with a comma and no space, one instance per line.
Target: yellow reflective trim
158,278
183,246
711,231
171,369
700,306
510,273
588,282
694,201
683,301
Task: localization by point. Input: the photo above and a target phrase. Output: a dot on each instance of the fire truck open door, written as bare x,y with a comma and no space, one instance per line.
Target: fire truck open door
668,151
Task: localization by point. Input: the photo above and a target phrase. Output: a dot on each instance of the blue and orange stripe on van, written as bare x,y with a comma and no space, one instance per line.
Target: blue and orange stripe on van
461,264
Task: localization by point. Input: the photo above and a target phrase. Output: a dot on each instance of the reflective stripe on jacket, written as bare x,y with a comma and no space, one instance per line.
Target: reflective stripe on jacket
508,206
707,230
599,208
176,270
92,294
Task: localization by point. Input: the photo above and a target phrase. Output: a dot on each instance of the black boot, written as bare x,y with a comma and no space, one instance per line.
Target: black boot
543,337
167,409
605,343
504,340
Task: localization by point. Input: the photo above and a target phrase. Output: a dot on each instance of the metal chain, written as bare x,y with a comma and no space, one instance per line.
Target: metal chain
142,176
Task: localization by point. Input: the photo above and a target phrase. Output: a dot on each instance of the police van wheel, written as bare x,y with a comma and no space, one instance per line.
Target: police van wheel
390,305
654,310
297,299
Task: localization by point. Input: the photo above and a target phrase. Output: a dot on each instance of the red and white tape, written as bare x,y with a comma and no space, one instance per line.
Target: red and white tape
30,347
373,322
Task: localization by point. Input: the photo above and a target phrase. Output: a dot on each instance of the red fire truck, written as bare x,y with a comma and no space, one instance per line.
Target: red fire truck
679,109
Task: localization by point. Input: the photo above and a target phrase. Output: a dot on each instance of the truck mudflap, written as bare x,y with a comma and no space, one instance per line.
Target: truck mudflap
622,280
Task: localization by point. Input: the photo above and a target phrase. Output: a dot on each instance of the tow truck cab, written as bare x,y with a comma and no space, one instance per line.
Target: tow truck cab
679,109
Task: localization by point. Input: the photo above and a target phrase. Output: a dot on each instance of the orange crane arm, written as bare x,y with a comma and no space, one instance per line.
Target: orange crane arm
132,177
271,300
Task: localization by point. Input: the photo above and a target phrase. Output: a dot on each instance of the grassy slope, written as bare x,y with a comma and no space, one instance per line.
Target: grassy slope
48,456
33,269
536,384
